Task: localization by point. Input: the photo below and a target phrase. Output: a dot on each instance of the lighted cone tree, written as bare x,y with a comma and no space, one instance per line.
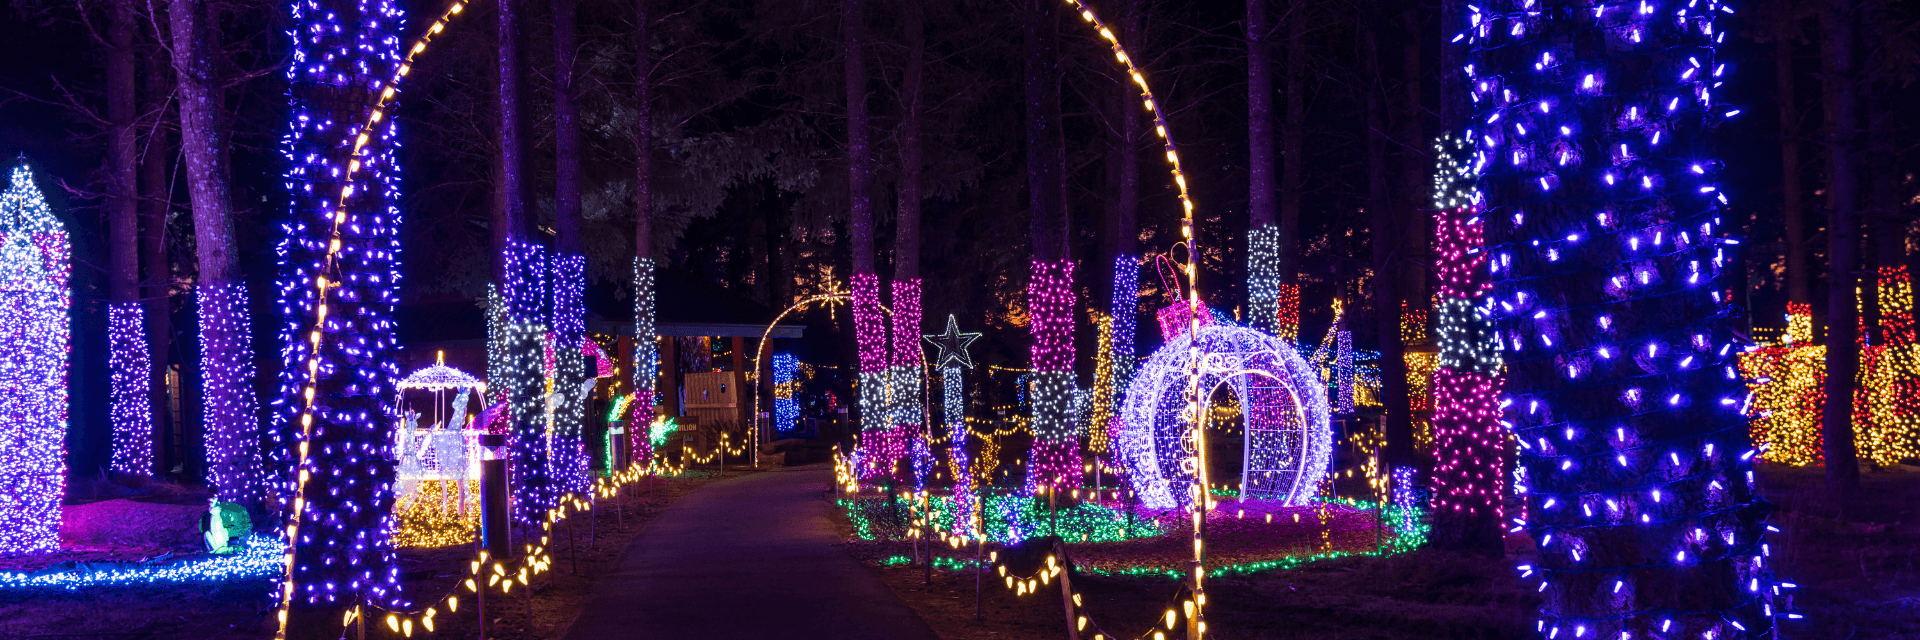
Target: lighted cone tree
35,258
1593,130
1468,440
338,285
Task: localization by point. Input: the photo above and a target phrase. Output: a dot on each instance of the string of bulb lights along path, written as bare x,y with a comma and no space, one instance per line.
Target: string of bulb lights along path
326,274
933,519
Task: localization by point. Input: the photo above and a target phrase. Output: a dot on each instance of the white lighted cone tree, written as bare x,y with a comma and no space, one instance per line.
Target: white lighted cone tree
1594,129
34,297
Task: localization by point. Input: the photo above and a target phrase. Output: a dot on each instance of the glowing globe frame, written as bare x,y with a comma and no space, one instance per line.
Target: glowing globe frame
1288,436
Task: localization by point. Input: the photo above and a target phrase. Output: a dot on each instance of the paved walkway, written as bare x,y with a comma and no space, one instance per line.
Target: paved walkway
750,557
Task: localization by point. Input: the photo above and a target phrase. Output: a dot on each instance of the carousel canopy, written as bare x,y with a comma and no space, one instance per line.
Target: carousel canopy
440,377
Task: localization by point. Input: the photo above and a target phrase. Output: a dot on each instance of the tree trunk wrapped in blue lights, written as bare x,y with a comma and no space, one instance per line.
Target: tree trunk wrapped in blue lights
338,284
1593,123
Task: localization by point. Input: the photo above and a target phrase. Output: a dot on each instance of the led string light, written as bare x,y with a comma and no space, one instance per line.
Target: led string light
348,258
1887,400
786,411
570,383
259,558
128,363
1788,384
646,347
1288,434
906,402
1055,458
1263,279
1287,324
1469,441
490,574
880,447
1604,246
1125,320
35,294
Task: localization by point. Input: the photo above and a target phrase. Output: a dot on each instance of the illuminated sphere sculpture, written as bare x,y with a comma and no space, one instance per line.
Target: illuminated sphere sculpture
1284,404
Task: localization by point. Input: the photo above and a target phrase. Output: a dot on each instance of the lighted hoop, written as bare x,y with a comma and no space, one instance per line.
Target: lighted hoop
1288,438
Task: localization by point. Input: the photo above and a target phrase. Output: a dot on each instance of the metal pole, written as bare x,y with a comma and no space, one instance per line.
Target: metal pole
979,562
926,542
494,523
1066,590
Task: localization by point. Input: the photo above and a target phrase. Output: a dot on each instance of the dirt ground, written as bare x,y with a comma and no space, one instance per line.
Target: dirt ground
244,609
1853,557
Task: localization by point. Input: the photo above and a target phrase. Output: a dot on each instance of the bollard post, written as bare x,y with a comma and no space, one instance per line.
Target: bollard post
493,496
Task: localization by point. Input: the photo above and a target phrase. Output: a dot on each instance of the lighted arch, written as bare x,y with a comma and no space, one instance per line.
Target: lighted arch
1288,438
364,132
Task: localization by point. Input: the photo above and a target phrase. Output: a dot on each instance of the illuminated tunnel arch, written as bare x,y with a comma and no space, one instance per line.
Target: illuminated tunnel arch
1288,437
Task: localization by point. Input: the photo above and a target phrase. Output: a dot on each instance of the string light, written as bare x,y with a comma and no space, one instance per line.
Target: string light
342,252
1619,358
786,411
259,557
1263,279
1125,308
128,364
1055,458
1289,439
1287,326
881,447
35,263
569,384
646,347
1788,385
1469,441
906,404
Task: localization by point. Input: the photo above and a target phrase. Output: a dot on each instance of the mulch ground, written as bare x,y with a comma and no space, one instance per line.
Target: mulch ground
1854,558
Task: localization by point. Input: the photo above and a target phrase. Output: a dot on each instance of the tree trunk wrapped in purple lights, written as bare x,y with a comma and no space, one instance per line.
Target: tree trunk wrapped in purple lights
1605,246
128,362
338,285
228,409
35,259
1468,438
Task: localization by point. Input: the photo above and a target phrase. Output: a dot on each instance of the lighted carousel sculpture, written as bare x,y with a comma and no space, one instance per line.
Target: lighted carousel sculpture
438,462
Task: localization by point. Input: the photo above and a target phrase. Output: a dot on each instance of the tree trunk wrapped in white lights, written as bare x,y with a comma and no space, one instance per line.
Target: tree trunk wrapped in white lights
34,298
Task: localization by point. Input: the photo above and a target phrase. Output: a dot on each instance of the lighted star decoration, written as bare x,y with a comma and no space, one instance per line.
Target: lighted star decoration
953,345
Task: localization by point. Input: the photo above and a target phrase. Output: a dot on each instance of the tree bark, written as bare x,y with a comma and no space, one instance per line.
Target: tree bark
1843,251
909,406
157,279
1453,53
884,445
646,346
127,358
510,222
1263,278
1414,168
566,132
1395,423
1292,133
230,420
1794,218
1055,454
